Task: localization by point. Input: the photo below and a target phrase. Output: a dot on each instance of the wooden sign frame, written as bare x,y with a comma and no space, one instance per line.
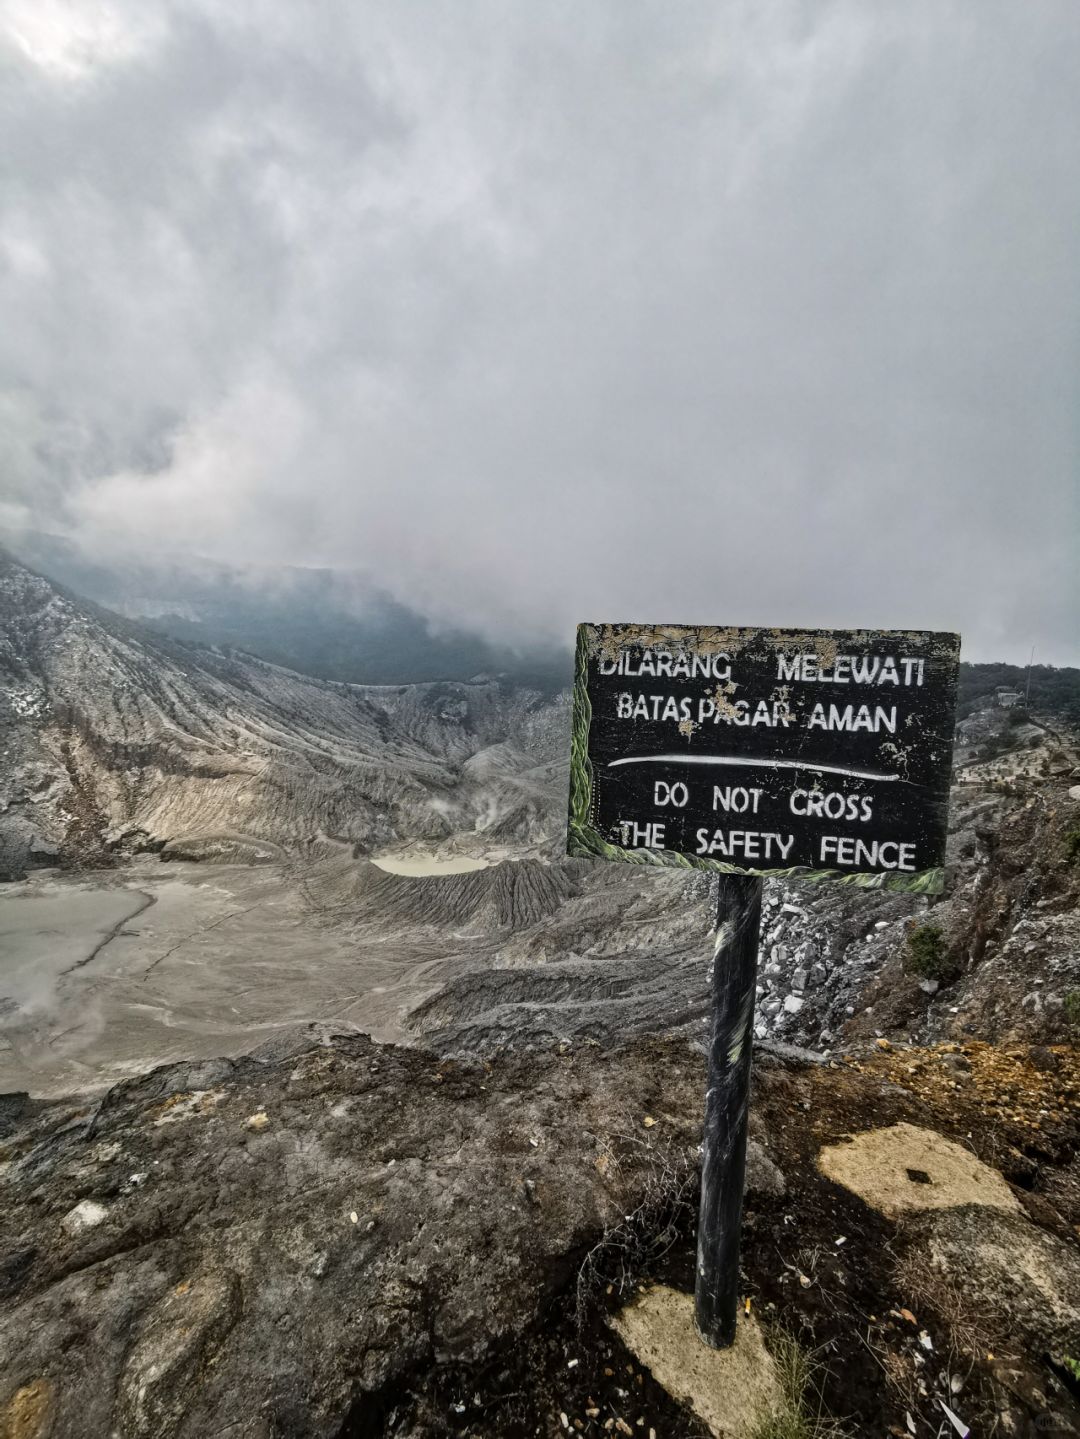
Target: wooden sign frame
810,667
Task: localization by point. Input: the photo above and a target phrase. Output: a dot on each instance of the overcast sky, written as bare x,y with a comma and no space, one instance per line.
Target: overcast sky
762,312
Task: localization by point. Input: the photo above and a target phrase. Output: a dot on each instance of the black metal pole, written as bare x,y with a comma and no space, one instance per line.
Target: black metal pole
727,1102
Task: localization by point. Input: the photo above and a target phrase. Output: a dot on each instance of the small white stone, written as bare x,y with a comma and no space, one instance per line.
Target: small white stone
85,1215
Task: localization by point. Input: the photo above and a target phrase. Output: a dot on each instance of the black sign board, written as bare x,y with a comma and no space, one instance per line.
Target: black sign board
816,754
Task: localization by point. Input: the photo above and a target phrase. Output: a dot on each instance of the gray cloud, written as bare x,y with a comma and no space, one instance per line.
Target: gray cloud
749,312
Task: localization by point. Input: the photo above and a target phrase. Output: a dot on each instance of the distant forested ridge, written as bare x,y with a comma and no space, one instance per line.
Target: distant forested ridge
1053,690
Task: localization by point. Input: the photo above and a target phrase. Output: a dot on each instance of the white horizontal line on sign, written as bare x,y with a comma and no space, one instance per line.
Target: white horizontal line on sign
741,761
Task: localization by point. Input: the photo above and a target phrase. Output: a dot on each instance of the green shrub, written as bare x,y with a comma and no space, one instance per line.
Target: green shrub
1072,844
1071,1008
927,955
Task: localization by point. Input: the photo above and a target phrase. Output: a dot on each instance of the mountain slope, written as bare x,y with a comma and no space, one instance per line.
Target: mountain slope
334,624
114,738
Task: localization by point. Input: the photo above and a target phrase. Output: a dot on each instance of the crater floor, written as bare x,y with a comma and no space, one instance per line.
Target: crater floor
107,973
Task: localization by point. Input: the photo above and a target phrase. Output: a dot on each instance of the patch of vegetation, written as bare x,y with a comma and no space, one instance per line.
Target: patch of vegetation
928,955
1071,1007
801,1414
1072,844
1016,717
970,1330
1073,1366
643,1236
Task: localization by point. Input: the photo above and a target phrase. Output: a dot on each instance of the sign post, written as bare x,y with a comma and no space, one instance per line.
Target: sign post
801,754
727,1106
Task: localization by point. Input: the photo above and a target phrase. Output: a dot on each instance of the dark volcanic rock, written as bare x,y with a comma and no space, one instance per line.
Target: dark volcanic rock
258,1249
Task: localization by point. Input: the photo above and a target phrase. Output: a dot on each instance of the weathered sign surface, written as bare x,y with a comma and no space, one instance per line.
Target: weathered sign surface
818,754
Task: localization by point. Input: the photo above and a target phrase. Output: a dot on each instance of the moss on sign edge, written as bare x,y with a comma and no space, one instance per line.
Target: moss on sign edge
583,840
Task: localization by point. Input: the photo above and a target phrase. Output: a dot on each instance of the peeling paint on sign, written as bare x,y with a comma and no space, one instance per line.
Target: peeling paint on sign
816,754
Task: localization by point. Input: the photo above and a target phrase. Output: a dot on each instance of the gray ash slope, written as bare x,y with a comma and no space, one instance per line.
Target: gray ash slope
534,952
116,739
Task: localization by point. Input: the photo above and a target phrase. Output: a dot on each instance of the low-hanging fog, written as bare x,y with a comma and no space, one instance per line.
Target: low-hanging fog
737,312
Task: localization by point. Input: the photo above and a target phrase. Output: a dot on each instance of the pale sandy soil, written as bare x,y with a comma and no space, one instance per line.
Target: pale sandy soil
419,864
105,974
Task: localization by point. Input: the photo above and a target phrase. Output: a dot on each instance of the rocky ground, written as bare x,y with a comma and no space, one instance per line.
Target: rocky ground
1004,958
363,1240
